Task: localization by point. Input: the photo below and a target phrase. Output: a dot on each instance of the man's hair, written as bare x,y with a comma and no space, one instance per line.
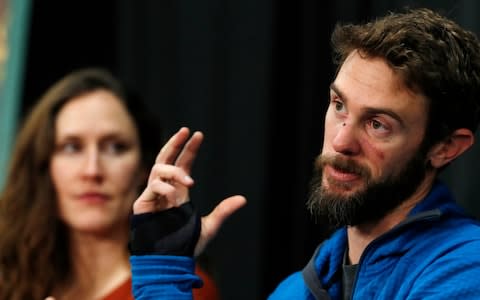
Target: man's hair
432,54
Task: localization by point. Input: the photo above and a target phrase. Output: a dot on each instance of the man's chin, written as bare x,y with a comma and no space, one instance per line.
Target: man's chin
344,200
342,189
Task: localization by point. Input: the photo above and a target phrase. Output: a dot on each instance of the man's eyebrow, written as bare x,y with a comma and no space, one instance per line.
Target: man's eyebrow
334,88
371,110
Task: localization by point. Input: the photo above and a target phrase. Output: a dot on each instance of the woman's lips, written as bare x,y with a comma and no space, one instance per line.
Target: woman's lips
93,197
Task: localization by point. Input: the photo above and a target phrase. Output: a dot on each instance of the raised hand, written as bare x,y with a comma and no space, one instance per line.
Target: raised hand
169,183
169,178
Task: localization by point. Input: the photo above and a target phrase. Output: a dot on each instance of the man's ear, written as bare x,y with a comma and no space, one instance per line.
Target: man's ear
447,150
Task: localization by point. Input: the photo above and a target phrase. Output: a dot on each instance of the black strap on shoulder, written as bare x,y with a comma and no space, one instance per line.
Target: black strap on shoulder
311,278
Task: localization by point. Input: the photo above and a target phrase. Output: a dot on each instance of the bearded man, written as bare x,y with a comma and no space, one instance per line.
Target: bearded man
404,104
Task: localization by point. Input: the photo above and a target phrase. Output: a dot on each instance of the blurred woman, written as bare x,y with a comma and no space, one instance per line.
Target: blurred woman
80,160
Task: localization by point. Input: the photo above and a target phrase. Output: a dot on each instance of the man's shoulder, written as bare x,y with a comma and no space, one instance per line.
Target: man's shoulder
451,233
460,229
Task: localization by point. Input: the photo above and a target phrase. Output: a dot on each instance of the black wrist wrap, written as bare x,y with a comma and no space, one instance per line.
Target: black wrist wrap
174,231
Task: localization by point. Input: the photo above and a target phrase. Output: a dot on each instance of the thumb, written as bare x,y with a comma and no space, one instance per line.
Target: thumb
212,222
49,298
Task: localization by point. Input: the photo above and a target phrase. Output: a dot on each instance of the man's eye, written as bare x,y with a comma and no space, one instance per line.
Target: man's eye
377,125
339,106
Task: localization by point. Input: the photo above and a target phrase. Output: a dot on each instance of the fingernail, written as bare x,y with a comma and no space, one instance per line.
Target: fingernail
188,179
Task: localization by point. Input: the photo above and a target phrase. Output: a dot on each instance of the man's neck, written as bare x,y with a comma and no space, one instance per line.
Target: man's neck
360,236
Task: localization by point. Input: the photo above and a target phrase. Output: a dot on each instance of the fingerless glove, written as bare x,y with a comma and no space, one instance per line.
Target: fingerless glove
174,231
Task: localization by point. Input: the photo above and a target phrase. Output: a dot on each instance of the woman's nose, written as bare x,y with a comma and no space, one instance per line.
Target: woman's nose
92,165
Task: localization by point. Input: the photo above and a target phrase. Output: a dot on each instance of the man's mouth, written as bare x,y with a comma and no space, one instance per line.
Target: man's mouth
340,175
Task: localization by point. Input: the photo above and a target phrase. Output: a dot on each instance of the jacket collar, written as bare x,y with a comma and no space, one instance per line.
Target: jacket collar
437,203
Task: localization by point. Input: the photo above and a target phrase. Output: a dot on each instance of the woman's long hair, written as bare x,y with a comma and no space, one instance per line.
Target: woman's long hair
34,249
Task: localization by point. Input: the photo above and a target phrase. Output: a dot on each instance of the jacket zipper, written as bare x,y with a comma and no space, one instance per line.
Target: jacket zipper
423,216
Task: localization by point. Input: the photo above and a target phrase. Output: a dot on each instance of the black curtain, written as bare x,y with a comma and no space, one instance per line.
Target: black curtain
253,75
63,36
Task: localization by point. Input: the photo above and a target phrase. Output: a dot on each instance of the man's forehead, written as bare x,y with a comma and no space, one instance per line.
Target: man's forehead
371,83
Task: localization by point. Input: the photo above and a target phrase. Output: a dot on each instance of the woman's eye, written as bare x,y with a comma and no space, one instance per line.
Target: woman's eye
69,148
115,147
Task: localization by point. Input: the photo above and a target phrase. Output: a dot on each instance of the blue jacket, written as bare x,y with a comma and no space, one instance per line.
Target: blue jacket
434,254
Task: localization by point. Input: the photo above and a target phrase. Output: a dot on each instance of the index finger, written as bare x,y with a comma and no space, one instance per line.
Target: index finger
189,152
169,152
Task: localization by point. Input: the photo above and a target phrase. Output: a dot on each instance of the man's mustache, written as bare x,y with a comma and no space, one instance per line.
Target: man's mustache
342,164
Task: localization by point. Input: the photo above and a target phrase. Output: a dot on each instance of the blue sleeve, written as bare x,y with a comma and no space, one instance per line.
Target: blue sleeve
163,277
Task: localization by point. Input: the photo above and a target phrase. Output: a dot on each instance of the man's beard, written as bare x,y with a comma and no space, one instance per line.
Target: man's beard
369,204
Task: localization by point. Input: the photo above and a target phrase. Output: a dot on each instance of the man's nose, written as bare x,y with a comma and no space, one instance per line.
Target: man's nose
346,141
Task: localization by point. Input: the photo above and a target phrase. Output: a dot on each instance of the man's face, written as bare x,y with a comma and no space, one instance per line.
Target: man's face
371,159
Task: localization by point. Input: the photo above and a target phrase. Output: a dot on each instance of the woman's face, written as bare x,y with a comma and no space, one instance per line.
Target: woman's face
95,166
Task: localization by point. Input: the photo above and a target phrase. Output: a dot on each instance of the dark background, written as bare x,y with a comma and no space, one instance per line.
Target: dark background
253,75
